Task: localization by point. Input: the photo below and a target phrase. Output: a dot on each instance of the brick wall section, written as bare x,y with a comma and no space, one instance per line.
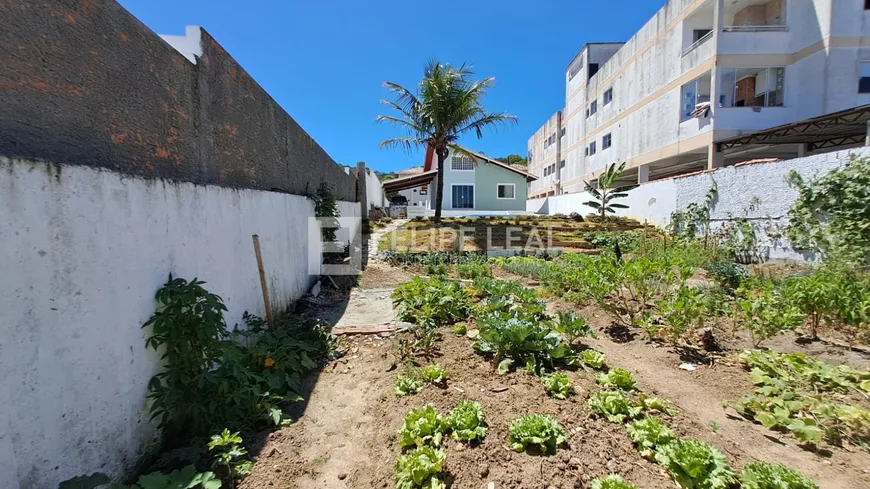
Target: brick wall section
84,82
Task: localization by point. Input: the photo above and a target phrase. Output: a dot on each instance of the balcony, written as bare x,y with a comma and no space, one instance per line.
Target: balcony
755,16
755,28
706,37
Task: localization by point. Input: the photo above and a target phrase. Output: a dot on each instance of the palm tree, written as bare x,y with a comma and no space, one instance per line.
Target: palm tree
446,105
605,192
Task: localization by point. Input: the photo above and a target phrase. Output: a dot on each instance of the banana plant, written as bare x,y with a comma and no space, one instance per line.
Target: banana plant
605,191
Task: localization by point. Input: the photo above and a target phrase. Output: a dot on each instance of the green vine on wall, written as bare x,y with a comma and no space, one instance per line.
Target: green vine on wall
695,218
326,207
832,213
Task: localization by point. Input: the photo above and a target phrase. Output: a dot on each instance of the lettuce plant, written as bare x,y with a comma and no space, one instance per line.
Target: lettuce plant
558,385
422,427
459,329
614,406
468,422
616,378
407,385
434,374
764,475
592,358
420,469
538,431
649,434
696,465
612,481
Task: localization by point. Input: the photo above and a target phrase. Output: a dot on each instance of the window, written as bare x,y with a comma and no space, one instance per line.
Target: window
752,87
546,171
463,196
606,141
866,4
864,74
562,133
593,107
506,191
586,151
608,96
461,163
593,69
562,164
424,190
697,34
693,93
592,148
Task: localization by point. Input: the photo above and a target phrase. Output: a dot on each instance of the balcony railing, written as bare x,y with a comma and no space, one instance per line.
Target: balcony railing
755,28
706,37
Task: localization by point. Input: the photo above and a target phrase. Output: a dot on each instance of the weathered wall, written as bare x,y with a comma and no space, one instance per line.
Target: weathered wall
759,192
84,251
86,83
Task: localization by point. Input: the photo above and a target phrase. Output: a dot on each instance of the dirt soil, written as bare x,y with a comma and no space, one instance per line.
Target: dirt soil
346,435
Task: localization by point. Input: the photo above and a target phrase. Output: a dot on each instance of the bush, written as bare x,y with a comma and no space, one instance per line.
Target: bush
628,240
767,312
422,427
420,469
695,464
612,481
474,270
536,431
558,385
616,378
468,422
406,386
614,406
682,312
437,269
649,434
514,341
764,475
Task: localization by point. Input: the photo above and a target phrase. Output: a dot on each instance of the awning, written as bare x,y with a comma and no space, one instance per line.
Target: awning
412,181
830,130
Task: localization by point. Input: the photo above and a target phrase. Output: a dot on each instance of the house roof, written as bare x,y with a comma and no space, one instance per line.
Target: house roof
429,164
411,181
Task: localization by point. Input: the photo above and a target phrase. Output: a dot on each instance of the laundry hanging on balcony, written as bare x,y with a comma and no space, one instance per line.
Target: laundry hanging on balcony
701,110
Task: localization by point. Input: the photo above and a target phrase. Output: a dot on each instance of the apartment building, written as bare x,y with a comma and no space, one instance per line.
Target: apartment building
699,72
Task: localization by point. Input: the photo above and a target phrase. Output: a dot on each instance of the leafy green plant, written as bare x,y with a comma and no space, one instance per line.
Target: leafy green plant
688,223
229,457
695,465
627,240
649,433
186,478
422,427
437,269
406,386
558,385
592,358
682,312
728,275
606,191
831,212
765,475
536,431
459,329
573,327
767,312
612,481
837,294
326,208
614,406
420,469
467,422
515,341
655,404
431,300
474,270
434,374
616,378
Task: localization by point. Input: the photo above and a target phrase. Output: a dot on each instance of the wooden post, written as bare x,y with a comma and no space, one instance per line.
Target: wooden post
263,285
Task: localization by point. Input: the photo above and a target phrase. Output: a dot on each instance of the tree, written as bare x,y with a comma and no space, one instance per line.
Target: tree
446,105
513,159
605,191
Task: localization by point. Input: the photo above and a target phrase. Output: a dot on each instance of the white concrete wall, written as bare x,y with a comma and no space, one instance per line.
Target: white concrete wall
374,191
84,252
758,192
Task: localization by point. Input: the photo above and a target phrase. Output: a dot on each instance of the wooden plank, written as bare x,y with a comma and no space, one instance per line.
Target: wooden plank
365,329
263,285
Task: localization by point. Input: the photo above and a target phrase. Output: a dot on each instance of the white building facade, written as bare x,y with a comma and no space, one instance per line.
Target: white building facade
699,72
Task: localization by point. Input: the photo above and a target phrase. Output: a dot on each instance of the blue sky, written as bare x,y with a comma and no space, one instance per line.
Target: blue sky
325,61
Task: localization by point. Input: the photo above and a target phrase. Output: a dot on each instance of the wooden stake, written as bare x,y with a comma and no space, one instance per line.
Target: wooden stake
263,281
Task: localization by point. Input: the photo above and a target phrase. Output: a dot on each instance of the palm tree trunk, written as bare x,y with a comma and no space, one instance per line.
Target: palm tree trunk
439,191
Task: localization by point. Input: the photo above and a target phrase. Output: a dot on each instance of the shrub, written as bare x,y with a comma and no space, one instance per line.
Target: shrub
695,464
434,374
468,422
616,378
592,358
837,294
573,327
765,475
612,481
407,385
422,427
474,270
628,240
420,469
614,406
558,385
649,434
536,431
682,312
728,275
